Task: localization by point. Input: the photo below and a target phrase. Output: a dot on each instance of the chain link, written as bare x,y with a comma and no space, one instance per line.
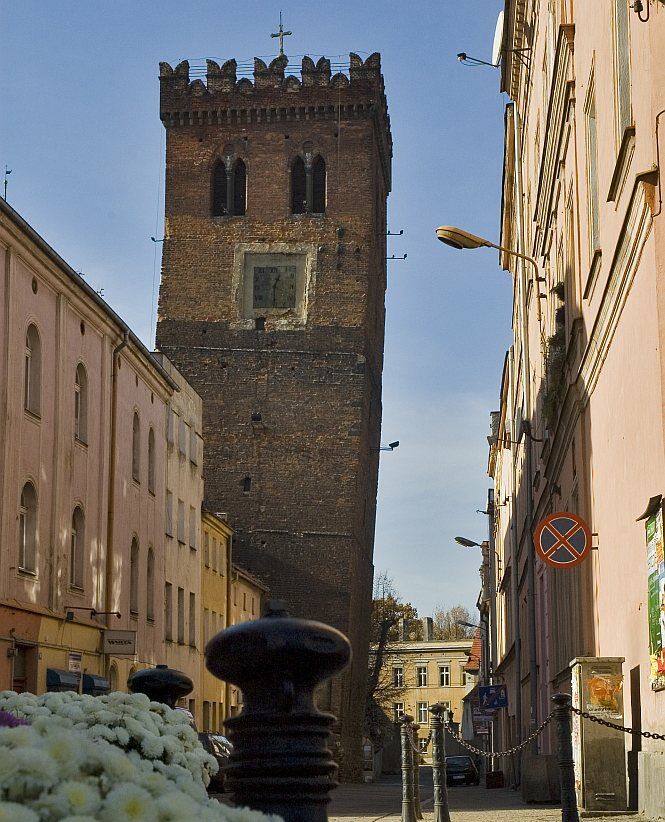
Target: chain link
490,754
426,740
645,734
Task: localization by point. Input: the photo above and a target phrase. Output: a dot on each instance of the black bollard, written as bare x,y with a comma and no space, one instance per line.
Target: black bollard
280,762
441,811
161,684
408,811
565,754
415,753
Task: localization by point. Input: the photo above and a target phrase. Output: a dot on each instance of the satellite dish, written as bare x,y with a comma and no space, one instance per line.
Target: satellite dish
497,46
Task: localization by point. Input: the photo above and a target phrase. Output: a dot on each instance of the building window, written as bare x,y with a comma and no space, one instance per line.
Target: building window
319,186
398,711
168,611
298,187
206,626
444,676
134,577
170,425
622,103
206,548
423,713
181,521
151,460
592,169
81,404
150,584
467,678
193,527
193,446
253,606
213,555
244,600
421,675
192,620
181,616
77,549
206,715
27,545
33,371
169,514
136,448
219,190
182,437
308,186
398,676
239,189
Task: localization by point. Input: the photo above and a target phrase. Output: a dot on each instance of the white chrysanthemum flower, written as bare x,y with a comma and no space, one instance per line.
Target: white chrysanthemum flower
65,749
78,818
152,746
80,797
12,812
174,806
128,803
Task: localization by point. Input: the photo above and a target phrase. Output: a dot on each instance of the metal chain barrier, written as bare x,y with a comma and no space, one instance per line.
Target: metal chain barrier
426,739
597,719
491,754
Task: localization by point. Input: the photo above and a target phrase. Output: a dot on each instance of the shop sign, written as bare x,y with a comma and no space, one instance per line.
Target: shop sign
119,643
75,662
656,599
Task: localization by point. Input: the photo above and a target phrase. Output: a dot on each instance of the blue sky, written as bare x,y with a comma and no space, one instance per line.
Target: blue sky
79,128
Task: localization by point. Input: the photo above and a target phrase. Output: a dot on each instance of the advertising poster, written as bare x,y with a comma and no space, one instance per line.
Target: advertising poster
603,694
656,599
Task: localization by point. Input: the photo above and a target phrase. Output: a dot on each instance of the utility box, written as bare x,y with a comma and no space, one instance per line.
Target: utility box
599,752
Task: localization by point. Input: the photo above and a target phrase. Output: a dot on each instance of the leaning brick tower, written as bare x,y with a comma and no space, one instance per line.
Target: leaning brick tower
272,306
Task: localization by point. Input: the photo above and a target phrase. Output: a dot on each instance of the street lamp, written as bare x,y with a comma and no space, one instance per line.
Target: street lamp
467,543
460,239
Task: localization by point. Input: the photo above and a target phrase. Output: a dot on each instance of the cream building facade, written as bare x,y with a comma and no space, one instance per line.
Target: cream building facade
581,426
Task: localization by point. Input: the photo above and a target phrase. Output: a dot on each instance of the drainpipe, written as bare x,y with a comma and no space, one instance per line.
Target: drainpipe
112,455
229,586
526,432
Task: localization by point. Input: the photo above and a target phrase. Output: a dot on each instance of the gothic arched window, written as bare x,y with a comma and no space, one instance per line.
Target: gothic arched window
239,188
134,577
219,191
33,371
298,187
27,536
81,403
319,186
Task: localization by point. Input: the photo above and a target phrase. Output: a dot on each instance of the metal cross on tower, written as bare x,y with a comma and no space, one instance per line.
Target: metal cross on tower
281,34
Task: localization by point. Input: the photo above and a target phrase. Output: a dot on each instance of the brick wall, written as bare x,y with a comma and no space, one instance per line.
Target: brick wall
306,526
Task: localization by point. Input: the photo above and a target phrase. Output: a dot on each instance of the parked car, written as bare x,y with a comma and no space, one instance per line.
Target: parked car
460,770
219,747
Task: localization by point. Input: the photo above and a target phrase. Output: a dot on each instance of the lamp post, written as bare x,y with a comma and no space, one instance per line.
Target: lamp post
460,239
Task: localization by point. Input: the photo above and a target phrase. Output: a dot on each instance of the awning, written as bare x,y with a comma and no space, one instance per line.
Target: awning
57,680
95,685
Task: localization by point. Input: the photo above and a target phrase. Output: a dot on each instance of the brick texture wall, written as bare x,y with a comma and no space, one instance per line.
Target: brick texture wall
306,526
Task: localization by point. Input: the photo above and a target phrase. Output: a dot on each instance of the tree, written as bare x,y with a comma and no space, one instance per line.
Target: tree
387,611
446,622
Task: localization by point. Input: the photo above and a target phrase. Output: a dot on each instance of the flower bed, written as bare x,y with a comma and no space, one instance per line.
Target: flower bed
116,758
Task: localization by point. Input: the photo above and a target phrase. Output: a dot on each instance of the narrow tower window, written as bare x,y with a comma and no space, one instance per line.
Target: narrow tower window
246,485
150,584
81,404
219,189
136,448
298,187
134,577
33,371
77,549
27,538
239,189
151,460
319,186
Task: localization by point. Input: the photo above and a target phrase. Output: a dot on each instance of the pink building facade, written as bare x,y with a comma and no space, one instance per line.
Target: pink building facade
581,422
82,486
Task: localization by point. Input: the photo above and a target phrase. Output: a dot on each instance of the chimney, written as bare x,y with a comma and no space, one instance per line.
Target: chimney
428,629
403,630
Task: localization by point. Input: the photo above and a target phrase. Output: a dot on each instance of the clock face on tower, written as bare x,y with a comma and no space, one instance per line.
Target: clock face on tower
274,281
274,286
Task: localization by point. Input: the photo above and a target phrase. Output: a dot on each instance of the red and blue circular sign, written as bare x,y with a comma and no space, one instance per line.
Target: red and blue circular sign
562,540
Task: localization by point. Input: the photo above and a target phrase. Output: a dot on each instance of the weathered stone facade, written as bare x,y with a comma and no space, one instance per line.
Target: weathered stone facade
292,396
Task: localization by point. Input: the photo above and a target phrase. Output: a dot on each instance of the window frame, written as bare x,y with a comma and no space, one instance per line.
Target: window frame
136,447
421,674
28,526
81,404
77,550
134,565
444,675
32,376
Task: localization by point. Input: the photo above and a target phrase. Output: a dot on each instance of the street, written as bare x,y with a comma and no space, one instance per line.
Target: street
383,800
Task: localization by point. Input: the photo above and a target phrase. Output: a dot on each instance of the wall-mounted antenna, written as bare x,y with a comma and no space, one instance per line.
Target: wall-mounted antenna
396,258
8,171
155,240
395,233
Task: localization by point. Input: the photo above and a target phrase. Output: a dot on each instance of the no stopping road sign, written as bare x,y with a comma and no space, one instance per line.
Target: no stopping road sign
562,540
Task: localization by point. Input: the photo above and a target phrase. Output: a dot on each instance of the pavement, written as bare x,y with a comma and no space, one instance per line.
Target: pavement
383,801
